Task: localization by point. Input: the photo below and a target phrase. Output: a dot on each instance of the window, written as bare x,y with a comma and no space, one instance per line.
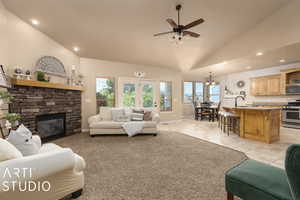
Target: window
199,96
188,92
129,95
193,91
165,96
148,95
214,93
105,92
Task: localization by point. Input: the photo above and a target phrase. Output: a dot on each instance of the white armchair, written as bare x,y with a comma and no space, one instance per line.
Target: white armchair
58,167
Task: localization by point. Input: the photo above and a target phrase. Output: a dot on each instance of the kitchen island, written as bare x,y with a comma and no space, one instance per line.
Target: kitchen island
258,123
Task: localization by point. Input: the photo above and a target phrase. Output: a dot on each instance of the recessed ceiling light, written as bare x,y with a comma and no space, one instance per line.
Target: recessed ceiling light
248,67
222,63
76,49
282,60
259,53
35,22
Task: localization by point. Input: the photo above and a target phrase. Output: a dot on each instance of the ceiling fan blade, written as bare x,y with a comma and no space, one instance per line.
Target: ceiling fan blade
172,23
164,33
192,34
194,23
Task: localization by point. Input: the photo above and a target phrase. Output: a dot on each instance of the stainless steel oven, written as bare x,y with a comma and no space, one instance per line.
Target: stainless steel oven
291,115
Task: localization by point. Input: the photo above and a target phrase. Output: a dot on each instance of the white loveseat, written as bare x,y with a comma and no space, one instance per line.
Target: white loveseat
62,168
103,124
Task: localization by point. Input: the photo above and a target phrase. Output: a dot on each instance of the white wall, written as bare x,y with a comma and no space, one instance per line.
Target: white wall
278,30
22,45
230,81
92,68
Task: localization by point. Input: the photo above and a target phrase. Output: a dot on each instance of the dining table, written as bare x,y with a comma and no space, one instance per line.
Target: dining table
212,108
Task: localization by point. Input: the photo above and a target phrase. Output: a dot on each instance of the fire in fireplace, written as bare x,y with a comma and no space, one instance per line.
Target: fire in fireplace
51,126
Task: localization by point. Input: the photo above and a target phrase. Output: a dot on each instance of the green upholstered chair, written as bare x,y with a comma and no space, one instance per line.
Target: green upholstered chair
252,180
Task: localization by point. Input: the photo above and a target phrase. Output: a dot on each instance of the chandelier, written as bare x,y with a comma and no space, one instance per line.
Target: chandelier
210,80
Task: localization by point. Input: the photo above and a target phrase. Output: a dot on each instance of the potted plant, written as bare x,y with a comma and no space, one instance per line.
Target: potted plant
40,76
12,120
5,97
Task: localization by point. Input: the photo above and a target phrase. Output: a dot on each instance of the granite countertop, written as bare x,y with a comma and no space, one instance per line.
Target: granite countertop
251,108
269,103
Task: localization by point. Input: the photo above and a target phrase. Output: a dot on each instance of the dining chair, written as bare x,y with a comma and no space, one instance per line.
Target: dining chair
206,111
196,108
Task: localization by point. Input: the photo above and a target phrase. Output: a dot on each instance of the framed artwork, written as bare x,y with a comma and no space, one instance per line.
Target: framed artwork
4,80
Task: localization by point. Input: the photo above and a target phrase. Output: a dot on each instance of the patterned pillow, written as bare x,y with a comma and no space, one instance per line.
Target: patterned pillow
118,114
140,111
137,116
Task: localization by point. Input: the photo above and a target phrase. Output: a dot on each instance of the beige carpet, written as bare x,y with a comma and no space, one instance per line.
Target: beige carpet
170,166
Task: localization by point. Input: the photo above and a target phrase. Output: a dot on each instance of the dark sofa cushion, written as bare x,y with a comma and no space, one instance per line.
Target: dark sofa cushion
252,180
292,167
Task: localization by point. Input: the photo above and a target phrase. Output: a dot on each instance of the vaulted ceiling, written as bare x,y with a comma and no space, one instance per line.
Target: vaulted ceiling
122,30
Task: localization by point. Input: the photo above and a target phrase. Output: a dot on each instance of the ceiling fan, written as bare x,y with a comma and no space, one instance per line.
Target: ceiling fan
179,30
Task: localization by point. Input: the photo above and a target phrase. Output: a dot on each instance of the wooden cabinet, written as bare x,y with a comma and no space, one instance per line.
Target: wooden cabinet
266,86
274,85
289,77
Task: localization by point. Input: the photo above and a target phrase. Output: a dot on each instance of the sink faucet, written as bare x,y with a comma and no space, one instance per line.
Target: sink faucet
236,98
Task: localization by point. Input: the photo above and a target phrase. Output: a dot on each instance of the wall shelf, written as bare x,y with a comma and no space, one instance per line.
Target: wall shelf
32,83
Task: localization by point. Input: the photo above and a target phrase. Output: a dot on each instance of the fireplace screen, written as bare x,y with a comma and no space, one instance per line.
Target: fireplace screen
51,126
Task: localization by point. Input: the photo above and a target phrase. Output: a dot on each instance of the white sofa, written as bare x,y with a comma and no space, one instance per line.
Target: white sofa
62,168
102,123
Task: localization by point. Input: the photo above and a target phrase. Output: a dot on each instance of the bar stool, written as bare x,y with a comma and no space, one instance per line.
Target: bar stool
221,119
229,122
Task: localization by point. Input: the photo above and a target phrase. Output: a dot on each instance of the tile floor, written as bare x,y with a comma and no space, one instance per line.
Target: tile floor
268,153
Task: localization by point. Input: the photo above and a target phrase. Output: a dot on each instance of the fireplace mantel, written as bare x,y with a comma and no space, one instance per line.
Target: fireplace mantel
45,84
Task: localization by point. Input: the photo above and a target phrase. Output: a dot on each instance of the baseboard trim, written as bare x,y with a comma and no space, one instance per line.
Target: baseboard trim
85,130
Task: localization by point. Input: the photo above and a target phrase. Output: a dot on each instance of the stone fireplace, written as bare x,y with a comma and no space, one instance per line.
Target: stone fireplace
49,112
51,126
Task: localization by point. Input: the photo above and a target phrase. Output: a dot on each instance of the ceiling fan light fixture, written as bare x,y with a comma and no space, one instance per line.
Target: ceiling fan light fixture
181,31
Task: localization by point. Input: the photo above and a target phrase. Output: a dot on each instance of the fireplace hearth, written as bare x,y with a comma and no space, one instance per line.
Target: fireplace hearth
51,126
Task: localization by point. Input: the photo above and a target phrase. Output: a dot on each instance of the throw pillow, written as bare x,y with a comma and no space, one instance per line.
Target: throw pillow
118,114
105,113
8,151
137,116
128,111
22,129
138,111
22,140
148,116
